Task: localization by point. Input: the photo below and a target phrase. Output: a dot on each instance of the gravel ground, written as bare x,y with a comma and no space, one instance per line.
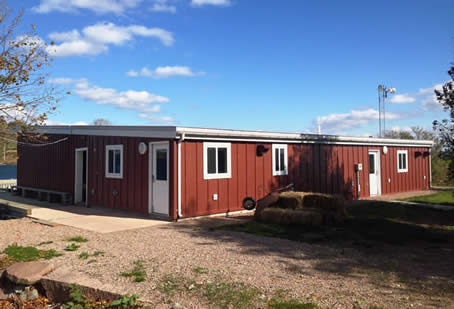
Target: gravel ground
327,274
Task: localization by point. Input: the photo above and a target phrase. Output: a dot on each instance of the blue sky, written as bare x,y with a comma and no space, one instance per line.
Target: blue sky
246,64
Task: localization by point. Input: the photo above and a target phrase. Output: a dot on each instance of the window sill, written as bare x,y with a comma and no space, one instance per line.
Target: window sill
114,176
223,176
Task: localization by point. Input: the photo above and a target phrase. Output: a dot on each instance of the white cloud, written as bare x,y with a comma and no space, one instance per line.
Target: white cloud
430,103
61,81
60,123
165,72
163,120
96,39
97,6
141,101
161,6
399,129
147,104
354,119
402,98
211,2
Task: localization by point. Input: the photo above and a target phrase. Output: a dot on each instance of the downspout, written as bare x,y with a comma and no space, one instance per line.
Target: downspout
430,168
181,139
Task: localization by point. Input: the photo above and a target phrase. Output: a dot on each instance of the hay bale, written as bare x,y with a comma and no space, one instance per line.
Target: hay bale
325,202
291,200
307,217
265,202
272,215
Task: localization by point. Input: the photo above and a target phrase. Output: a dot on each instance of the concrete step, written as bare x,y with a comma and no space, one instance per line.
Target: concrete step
14,208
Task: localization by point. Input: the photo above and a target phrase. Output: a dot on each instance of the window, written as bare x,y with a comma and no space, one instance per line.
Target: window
114,161
216,160
402,161
280,160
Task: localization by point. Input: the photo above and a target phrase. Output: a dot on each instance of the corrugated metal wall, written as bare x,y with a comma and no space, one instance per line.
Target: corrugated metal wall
52,167
312,167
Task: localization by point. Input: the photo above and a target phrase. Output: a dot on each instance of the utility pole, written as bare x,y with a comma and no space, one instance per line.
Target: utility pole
382,95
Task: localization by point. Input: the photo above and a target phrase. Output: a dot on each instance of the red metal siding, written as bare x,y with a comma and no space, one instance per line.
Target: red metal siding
312,167
52,167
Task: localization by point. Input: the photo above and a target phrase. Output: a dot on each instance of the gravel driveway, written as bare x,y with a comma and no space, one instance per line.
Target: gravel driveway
329,275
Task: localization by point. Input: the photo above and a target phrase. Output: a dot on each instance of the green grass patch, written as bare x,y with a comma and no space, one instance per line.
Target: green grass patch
79,239
440,198
231,295
138,272
86,255
28,254
200,270
169,284
45,243
290,304
72,247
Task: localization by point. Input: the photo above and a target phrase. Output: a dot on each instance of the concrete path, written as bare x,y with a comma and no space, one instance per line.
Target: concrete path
432,206
100,220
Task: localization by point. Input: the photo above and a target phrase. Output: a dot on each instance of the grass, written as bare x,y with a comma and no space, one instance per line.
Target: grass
169,284
28,254
231,295
79,239
290,304
138,272
200,270
72,247
368,222
440,198
86,255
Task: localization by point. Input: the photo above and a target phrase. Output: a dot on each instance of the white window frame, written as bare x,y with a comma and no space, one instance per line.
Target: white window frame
285,171
114,175
205,160
402,170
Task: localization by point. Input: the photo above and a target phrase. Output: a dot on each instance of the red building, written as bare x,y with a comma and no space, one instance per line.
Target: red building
179,172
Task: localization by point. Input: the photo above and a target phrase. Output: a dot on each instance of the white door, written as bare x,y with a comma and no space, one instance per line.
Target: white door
81,176
374,173
159,153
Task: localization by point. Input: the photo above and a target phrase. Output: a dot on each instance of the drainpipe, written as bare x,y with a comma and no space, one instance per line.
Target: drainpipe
430,168
181,139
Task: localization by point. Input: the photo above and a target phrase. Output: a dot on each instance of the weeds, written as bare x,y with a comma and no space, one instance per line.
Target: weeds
28,254
79,301
86,255
72,247
228,295
45,243
138,272
78,239
169,284
200,270
91,261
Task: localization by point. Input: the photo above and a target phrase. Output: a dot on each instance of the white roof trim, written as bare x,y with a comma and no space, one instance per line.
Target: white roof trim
130,131
172,132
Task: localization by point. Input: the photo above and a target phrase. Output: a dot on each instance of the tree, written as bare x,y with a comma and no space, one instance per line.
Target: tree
25,98
445,127
397,134
102,122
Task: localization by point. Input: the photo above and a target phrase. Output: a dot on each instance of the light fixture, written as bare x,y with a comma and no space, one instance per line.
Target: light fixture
142,148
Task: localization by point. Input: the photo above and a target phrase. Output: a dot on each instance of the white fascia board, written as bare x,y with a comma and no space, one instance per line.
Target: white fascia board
296,138
127,131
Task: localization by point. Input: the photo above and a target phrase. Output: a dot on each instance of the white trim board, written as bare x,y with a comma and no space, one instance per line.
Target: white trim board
173,132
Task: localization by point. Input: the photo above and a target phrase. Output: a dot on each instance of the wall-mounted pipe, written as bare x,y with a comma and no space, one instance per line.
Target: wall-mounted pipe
179,141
